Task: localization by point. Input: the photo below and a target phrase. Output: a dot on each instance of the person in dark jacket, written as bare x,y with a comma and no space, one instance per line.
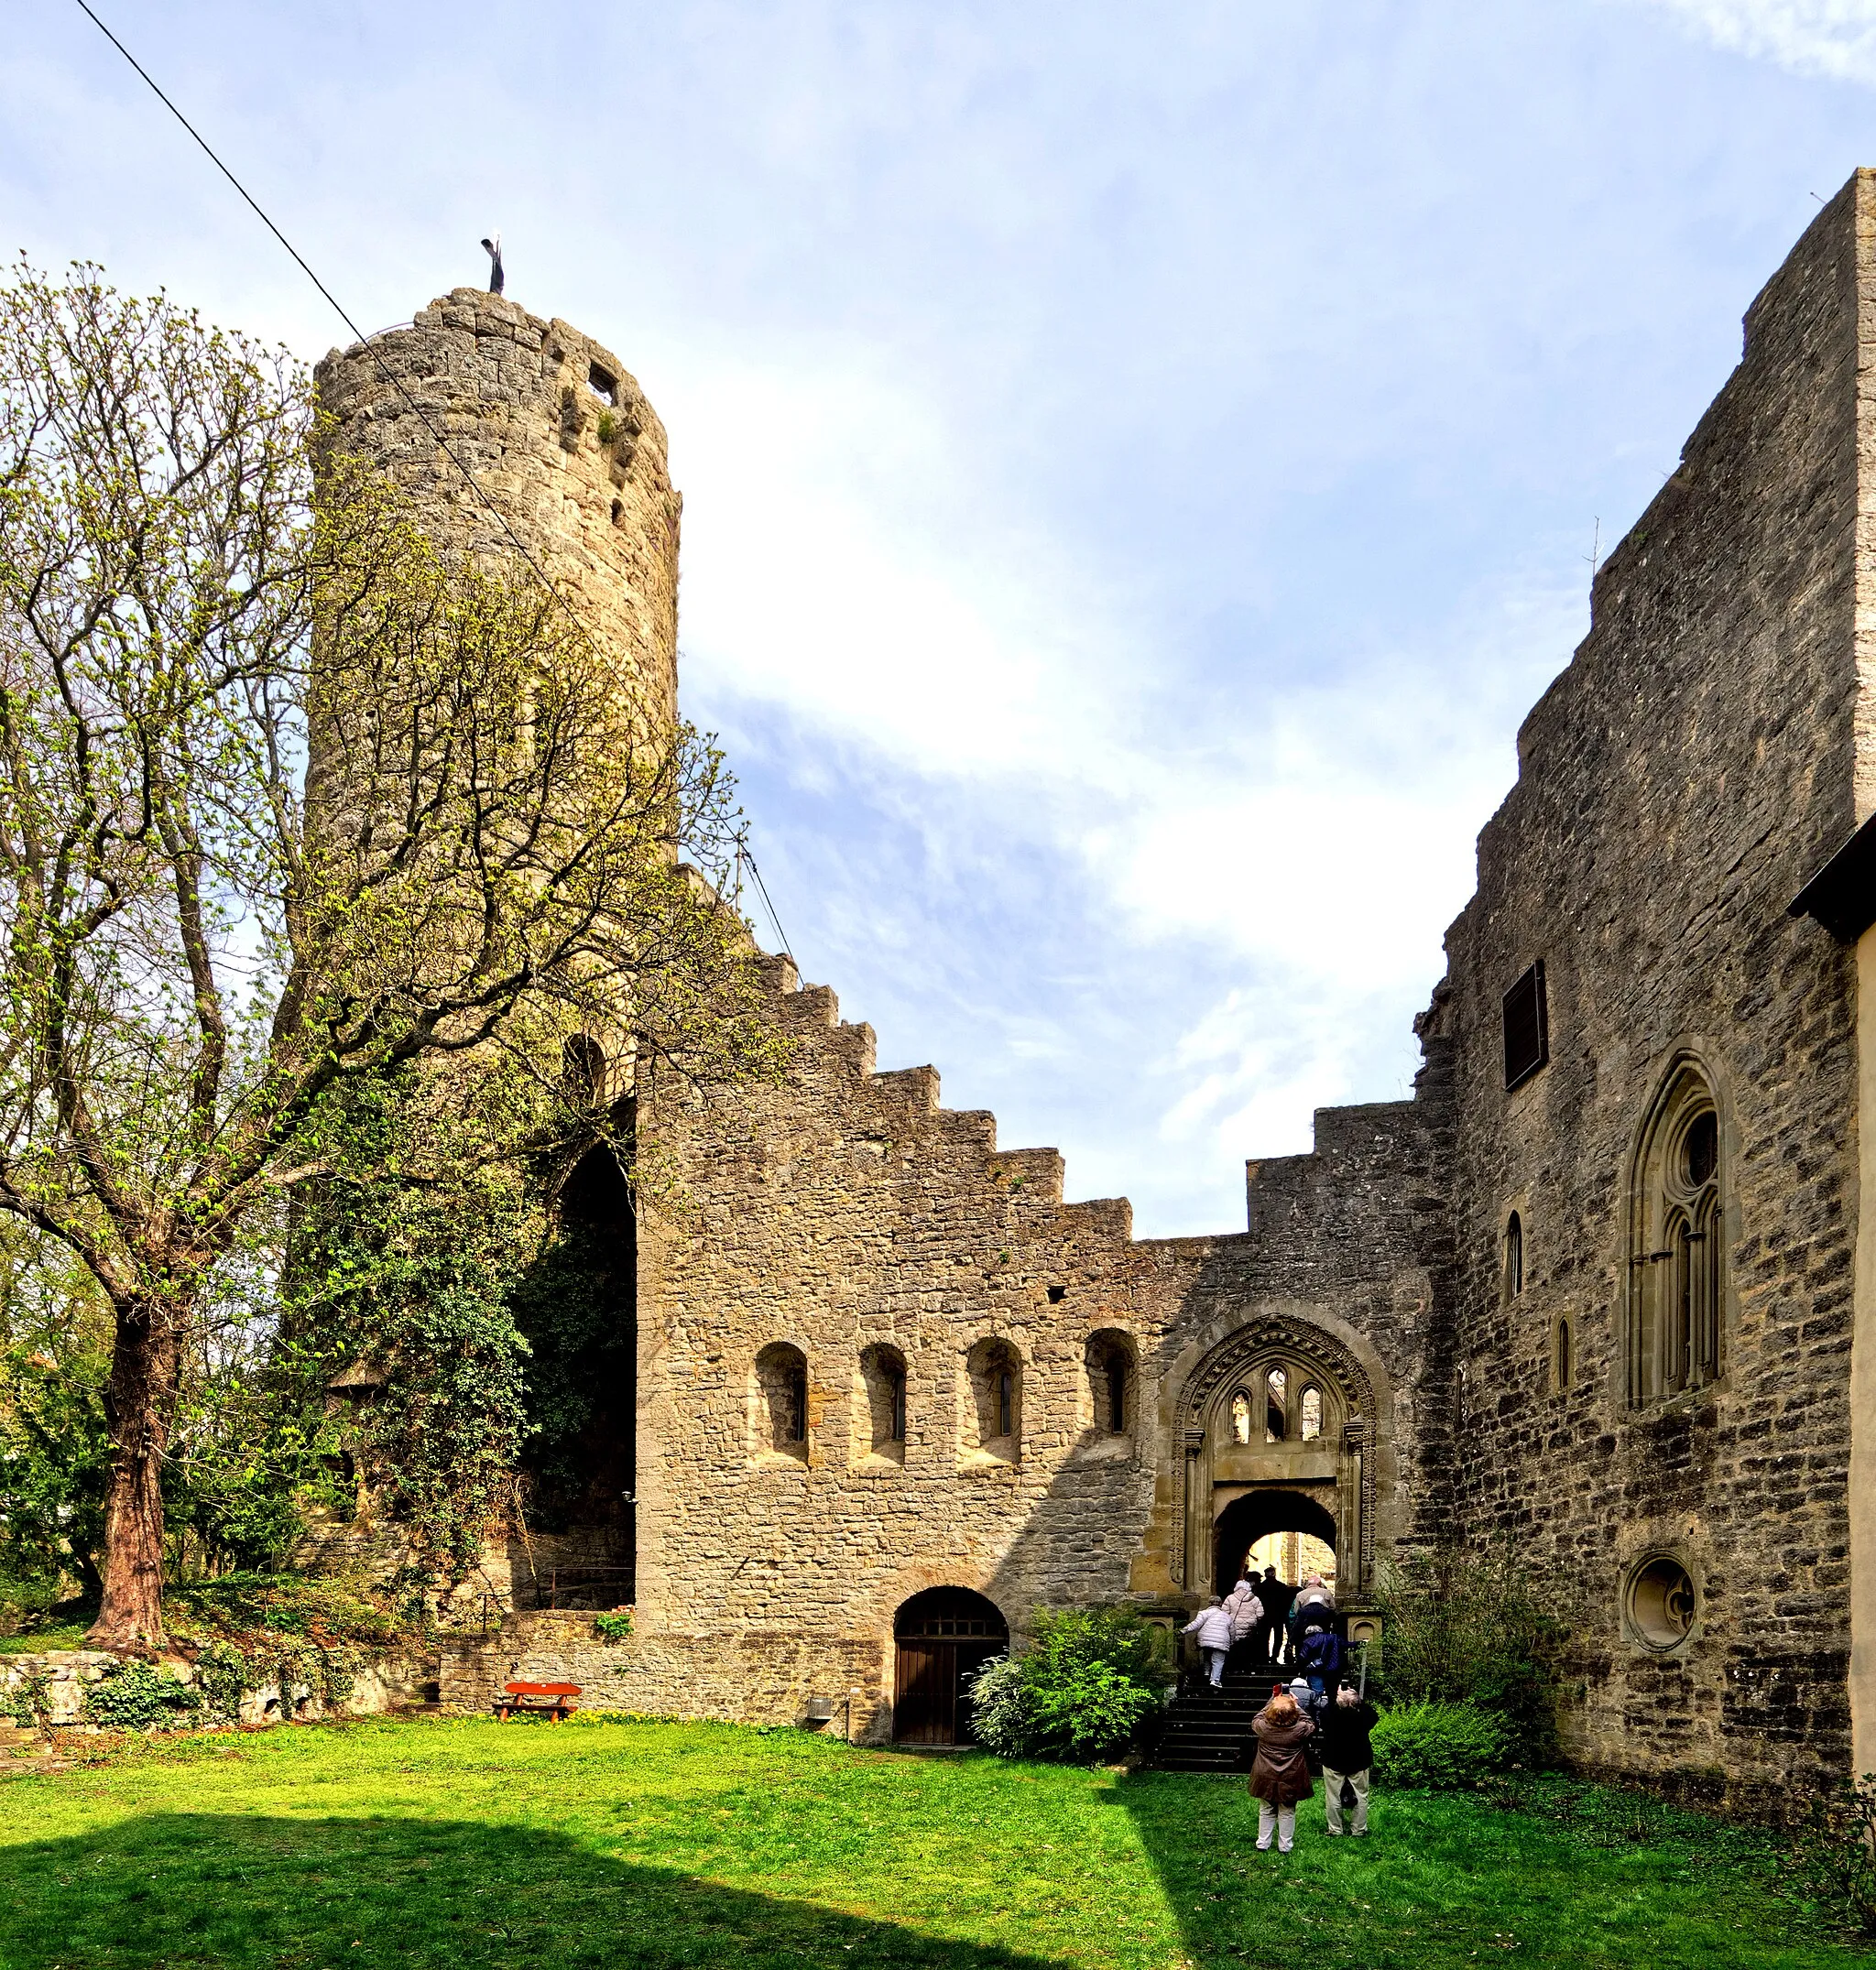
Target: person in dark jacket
1319,1658
1276,1595
1281,1775
1347,1755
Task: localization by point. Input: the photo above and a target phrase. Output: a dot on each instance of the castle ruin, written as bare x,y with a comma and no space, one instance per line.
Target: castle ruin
1600,1288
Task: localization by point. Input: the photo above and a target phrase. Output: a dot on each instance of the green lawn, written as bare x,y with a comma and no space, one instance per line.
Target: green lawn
465,1843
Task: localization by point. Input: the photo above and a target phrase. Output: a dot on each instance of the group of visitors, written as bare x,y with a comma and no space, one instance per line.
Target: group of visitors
1321,1719
1262,1622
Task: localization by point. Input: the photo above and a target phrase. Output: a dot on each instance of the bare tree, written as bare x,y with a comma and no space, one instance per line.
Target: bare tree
286,802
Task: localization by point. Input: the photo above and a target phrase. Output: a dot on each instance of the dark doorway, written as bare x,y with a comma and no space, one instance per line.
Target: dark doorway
578,1307
945,1636
1246,1520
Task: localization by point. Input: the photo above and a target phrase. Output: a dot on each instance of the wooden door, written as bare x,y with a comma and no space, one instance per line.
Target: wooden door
944,1637
925,1709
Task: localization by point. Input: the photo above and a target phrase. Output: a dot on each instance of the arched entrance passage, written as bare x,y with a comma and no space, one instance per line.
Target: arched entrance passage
1250,1516
942,1637
1279,1406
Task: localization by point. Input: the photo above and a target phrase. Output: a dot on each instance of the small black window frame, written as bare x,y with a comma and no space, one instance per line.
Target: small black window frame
1527,1027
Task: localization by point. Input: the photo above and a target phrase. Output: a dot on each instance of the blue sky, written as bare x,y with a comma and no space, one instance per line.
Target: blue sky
1140,463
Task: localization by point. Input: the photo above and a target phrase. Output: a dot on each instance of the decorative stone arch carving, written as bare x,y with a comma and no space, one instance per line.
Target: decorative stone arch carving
1312,1360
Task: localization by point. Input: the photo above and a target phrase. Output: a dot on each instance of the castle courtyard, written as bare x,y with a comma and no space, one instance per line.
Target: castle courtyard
443,1845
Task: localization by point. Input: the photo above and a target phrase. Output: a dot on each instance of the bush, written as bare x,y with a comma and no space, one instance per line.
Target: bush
1465,1626
1090,1679
1832,1861
25,1605
615,1627
1441,1744
136,1697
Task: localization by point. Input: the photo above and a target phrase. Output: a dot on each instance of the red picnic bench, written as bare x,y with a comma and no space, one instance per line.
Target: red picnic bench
554,1700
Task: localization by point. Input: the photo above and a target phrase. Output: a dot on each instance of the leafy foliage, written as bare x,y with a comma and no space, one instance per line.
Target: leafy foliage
613,1626
136,1697
289,804
27,1700
1440,1745
1460,1625
1080,1693
1832,1862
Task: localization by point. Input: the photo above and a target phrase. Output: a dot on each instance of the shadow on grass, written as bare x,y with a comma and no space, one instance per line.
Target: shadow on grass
178,1888
1449,1879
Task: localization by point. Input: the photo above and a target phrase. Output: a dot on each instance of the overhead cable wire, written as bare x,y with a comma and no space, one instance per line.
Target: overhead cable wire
390,376
763,889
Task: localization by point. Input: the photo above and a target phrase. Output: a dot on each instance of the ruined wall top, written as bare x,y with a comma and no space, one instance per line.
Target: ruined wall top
558,436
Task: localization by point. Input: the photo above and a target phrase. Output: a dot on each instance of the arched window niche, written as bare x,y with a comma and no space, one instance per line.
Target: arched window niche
781,1402
883,1375
1514,1256
1678,1240
995,1374
1113,1382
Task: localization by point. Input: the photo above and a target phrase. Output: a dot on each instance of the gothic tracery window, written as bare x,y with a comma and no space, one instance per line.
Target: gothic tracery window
1276,1414
1678,1255
1240,1417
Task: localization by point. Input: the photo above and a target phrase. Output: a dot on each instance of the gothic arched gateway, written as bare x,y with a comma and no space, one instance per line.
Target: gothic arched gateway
1275,1427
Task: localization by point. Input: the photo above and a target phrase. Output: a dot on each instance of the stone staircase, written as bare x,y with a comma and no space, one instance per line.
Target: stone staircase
1210,1731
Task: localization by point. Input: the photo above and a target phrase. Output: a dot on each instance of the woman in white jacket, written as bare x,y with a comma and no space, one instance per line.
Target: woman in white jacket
1212,1625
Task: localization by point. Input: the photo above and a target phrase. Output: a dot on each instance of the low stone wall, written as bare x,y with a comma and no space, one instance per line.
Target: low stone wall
63,1675
759,1676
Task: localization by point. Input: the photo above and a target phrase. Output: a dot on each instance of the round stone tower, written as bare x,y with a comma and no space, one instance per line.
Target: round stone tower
559,437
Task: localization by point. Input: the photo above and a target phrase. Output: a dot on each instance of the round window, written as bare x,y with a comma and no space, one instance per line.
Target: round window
1661,1602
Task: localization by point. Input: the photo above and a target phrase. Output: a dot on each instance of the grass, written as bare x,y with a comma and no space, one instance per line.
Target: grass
470,1844
51,1635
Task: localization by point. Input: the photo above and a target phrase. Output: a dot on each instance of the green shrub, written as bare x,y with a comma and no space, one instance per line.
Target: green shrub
253,1605
26,1604
615,1627
1081,1692
1832,1860
1460,1625
1432,1744
136,1696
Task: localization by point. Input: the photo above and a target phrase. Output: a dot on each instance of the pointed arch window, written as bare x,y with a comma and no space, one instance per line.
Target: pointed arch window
1514,1256
1240,1417
1677,1244
1276,1406
1310,1414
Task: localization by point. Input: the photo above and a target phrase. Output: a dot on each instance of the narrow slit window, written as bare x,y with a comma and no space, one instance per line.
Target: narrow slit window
1276,1415
1310,1411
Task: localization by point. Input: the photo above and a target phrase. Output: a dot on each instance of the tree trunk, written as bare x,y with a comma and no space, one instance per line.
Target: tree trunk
140,1405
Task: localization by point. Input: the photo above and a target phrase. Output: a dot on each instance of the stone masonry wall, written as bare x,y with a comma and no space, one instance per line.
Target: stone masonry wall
1678,784
519,402
847,1207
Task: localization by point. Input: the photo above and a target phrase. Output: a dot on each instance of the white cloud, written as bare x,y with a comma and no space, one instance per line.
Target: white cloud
1832,39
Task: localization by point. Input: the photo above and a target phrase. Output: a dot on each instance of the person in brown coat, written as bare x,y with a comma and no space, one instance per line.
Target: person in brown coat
1281,1775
